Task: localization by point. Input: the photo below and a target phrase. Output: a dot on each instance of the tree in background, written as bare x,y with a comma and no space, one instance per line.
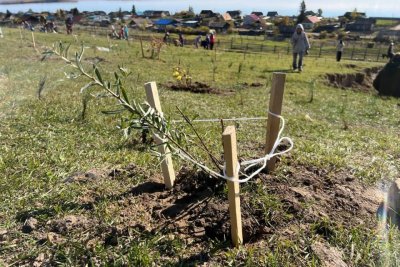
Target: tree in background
60,14
319,12
74,11
191,10
354,14
302,16
120,15
133,10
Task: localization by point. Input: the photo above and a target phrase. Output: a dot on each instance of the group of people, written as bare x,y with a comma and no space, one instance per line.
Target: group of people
207,43
123,32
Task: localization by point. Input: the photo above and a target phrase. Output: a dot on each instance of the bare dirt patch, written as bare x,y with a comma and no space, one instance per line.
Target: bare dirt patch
196,211
360,81
198,88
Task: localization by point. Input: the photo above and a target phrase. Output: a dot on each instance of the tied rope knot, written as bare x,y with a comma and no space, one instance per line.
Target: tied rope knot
249,163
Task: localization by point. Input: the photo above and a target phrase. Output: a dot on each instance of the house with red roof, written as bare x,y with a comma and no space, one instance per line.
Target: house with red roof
310,22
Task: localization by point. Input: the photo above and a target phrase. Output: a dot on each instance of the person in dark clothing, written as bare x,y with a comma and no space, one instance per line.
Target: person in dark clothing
208,40
166,38
69,23
181,40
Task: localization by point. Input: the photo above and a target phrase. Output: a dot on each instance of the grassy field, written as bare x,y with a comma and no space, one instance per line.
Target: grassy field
339,135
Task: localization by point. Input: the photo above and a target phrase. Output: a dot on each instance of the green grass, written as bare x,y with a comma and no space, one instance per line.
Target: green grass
43,141
386,23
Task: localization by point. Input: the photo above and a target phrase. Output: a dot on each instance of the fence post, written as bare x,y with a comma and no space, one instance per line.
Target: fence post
141,46
379,53
232,43
275,107
261,48
166,164
288,49
1,33
352,52
230,155
274,49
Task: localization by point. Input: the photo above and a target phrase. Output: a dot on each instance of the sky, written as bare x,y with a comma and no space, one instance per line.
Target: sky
331,8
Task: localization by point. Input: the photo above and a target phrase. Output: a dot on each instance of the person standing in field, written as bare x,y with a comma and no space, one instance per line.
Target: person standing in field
300,45
197,41
390,52
181,40
339,50
207,43
212,41
121,32
126,32
69,23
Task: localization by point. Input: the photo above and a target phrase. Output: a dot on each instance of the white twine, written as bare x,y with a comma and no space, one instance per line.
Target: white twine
249,163
218,120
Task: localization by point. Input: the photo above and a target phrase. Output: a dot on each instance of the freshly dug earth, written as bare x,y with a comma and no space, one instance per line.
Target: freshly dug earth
195,212
196,87
203,88
361,81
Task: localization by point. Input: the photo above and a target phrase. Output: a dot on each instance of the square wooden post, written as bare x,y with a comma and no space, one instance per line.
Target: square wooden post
275,106
230,155
166,164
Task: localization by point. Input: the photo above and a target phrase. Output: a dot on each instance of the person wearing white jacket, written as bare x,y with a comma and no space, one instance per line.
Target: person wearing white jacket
300,45
339,50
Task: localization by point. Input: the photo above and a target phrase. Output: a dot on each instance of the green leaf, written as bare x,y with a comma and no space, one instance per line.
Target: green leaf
98,75
124,95
112,112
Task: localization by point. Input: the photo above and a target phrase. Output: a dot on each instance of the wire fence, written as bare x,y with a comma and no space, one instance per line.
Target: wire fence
354,50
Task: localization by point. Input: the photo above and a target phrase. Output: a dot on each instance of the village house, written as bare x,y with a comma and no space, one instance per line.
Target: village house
207,14
327,28
257,13
361,25
253,22
391,34
141,23
272,14
310,22
156,14
227,17
219,26
190,23
235,14
162,24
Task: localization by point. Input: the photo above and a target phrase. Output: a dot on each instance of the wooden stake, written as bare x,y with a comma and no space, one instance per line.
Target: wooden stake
166,165
33,41
20,34
230,154
1,33
275,106
141,46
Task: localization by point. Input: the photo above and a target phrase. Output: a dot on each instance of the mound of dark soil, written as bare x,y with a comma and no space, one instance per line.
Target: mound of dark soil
196,210
198,88
361,81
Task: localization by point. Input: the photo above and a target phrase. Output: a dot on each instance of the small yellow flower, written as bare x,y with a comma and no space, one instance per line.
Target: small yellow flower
175,74
179,78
